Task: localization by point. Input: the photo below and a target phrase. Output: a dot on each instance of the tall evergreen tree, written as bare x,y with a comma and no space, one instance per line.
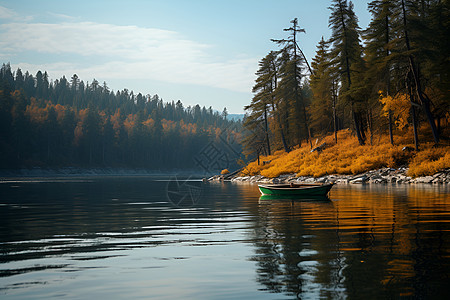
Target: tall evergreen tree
438,65
324,102
416,11
19,80
347,56
263,96
379,36
289,89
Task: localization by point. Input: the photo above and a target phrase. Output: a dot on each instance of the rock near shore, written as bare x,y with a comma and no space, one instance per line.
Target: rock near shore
384,175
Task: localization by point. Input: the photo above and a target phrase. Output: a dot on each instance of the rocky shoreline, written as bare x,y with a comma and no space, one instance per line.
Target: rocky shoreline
384,175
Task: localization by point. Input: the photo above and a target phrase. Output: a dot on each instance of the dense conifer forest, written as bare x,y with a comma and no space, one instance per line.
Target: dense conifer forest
391,78
65,123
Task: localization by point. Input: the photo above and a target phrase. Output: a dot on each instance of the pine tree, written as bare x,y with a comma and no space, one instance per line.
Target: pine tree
438,65
261,102
410,10
379,36
289,89
19,80
347,55
323,105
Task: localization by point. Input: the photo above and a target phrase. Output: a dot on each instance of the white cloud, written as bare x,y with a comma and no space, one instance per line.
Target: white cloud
62,17
125,52
9,14
6,13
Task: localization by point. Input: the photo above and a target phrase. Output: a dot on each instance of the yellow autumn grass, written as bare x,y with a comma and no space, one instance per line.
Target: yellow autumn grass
348,157
429,161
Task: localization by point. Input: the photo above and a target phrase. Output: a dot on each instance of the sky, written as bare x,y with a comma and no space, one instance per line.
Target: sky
202,52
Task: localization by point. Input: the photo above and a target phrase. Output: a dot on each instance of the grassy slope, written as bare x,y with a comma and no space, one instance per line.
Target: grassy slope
348,157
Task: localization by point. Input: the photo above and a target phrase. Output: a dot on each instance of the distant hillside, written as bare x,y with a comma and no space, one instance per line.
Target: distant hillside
62,123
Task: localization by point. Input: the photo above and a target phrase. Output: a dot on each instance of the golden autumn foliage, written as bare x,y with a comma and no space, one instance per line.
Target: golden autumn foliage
399,105
46,123
168,125
429,161
35,112
225,172
38,110
149,123
348,157
130,123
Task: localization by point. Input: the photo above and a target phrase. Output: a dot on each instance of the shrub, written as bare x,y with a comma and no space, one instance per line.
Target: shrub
348,157
429,161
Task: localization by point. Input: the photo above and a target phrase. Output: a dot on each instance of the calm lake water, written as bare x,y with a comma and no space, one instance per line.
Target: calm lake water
150,238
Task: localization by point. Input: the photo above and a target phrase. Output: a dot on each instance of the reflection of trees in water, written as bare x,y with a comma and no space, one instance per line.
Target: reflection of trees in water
371,242
394,240
289,258
276,267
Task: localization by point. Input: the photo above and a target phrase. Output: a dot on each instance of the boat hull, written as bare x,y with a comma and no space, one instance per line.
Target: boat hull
296,190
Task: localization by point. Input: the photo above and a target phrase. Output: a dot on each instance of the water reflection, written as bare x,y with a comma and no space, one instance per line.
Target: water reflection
376,241
92,237
89,238
294,198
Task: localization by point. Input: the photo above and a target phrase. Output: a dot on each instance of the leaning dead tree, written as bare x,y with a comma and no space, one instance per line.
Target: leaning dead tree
424,101
290,44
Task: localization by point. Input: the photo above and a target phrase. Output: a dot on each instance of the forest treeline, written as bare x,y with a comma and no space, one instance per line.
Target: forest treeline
390,78
64,122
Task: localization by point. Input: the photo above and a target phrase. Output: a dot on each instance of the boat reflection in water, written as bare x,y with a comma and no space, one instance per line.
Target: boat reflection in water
294,198
133,237
371,242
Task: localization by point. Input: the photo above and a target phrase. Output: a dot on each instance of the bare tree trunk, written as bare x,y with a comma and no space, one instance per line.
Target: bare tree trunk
438,121
285,132
388,81
280,128
347,66
48,147
103,151
273,86
361,126
266,129
306,125
424,100
357,127
334,112
414,121
283,139
413,110
369,125
335,125
298,95
391,136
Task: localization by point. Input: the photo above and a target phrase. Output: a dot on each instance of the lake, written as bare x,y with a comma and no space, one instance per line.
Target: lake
171,238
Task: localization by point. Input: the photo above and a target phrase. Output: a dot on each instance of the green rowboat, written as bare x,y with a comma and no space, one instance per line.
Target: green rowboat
295,189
